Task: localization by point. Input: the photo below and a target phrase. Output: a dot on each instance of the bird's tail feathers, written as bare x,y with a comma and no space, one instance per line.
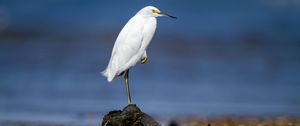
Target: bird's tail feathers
107,74
104,73
110,78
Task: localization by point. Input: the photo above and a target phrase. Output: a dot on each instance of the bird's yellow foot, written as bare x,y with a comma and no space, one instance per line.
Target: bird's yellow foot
144,60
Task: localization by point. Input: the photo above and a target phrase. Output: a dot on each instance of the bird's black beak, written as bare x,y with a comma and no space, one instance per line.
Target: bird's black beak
168,15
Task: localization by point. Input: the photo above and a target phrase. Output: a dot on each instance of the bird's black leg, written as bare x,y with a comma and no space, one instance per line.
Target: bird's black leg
127,86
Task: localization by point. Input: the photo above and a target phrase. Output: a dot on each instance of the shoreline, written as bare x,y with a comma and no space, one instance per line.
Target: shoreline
177,121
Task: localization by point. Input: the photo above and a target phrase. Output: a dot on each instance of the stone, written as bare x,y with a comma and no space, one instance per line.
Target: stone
131,115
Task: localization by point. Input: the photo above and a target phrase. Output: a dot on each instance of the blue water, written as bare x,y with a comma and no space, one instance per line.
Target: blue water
217,58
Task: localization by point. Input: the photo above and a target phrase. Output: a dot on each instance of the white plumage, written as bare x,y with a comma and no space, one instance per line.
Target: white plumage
132,42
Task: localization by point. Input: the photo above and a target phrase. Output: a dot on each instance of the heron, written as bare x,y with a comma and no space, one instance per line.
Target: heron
131,44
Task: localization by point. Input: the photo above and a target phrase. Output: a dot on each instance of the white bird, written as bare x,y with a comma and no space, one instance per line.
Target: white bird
131,44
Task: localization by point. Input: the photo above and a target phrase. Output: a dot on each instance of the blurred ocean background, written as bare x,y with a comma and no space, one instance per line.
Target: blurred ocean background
218,58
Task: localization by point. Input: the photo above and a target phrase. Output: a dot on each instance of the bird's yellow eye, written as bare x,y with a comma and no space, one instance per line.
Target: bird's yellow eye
155,11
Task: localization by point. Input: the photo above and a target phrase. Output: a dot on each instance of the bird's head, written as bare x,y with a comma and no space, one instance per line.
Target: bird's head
153,12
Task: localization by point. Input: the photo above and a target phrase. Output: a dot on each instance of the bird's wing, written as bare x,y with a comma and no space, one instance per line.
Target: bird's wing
148,32
127,45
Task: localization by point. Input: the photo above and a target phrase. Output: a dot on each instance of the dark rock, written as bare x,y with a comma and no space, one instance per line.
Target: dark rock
130,116
173,123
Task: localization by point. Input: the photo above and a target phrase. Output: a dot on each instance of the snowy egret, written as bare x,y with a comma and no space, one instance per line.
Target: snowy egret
131,44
